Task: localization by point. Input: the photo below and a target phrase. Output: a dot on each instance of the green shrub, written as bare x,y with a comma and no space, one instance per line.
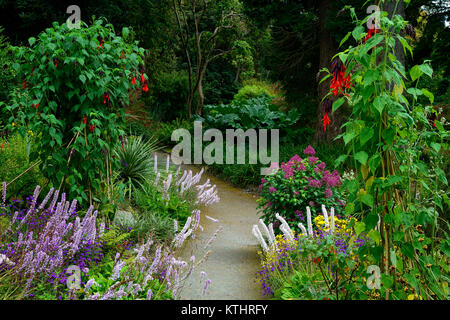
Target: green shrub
151,199
77,82
300,183
254,88
150,222
163,131
7,75
251,91
168,96
14,159
254,113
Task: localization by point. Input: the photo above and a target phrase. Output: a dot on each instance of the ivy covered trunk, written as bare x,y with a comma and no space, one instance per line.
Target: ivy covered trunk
327,50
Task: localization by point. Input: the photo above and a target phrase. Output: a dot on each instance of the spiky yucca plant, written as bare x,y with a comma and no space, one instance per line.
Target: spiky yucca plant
136,160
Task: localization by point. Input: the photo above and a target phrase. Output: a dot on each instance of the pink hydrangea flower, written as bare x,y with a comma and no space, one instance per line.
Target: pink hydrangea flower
312,160
328,193
309,150
321,166
296,158
272,189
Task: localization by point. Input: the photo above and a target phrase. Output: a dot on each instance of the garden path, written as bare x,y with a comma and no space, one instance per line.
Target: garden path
233,260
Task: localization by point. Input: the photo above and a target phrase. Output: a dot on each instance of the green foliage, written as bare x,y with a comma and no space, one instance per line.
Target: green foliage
102,276
251,91
151,200
168,95
14,160
154,223
397,148
75,82
136,160
7,74
254,113
163,131
299,183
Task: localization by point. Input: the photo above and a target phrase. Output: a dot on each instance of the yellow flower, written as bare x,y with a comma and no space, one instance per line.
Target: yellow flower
13,124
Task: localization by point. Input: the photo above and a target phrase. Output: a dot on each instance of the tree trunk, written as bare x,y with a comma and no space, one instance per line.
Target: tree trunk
201,96
327,50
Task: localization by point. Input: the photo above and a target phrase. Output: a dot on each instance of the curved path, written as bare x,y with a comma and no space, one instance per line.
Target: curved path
233,261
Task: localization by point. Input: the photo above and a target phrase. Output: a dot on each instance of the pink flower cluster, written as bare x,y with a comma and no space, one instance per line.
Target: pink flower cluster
332,179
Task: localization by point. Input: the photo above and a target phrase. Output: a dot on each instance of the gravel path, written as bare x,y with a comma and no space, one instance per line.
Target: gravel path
232,262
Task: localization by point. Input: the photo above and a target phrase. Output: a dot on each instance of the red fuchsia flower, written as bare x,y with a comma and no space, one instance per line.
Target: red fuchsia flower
145,88
332,250
432,119
327,106
309,150
55,62
133,82
106,99
84,120
24,84
91,128
339,82
371,33
100,40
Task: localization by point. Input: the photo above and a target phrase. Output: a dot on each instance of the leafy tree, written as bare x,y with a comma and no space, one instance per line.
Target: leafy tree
75,85
206,30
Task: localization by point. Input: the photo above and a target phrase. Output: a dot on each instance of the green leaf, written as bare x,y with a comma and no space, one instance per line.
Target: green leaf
31,41
374,162
393,257
388,135
359,227
415,73
362,157
345,38
370,76
375,236
348,136
426,68
415,92
428,94
441,175
436,146
82,78
339,102
125,32
367,199
379,103
340,160
357,32
387,281
365,135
